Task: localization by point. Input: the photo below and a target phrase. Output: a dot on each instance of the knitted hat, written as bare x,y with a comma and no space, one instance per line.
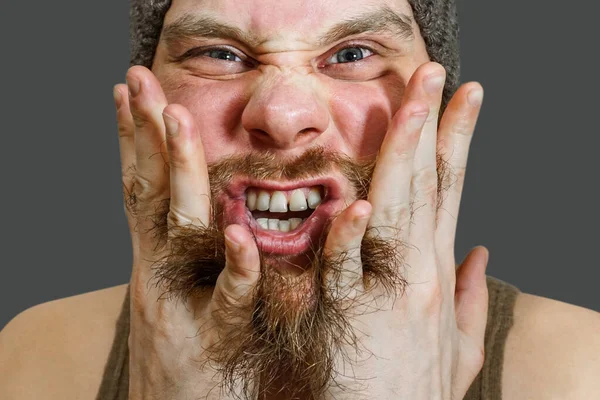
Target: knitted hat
436,18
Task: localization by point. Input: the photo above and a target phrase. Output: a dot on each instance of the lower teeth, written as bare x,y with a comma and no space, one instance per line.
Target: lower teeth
279,225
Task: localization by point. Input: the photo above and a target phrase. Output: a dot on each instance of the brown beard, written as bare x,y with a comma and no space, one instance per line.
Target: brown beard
299,326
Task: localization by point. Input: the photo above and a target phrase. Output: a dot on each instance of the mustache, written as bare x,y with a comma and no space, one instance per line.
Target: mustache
316,161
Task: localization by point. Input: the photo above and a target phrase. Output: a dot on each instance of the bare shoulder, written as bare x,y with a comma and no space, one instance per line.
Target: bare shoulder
57,350
552,351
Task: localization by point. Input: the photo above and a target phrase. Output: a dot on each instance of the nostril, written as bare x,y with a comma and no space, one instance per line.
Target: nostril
284,138
259,133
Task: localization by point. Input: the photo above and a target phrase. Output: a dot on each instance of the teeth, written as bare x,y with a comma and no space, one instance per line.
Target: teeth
262,204
294,222
274,224
251,200
298,201
278,202
314,198
284,226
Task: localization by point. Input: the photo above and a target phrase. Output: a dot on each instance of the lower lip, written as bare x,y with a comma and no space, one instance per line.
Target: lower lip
302,239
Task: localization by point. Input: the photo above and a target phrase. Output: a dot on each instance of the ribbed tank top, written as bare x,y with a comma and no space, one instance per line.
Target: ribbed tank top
487,385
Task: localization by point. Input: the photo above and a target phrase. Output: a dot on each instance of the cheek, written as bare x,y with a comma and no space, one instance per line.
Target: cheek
216,107
363,111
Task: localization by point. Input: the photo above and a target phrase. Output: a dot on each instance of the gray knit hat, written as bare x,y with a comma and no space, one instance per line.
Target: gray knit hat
436,18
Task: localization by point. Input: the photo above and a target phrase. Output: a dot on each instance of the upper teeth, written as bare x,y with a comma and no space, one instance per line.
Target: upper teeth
277,201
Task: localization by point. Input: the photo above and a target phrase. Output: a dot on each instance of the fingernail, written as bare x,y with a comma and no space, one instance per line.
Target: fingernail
434,82
118,98
475,97
233,245
359,221
416,121
172,125
134,86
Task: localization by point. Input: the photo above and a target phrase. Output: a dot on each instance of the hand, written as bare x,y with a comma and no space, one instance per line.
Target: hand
161,153
426,343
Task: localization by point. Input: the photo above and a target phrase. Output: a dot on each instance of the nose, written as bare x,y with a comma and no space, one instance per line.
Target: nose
285,112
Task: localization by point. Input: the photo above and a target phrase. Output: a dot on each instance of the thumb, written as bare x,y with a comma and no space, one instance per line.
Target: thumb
242,267
471,297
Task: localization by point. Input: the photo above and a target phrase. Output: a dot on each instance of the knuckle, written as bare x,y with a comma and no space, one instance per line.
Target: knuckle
406,153
178,162
142,116
128,173
130,199
458,179
463,128
146,199
434,300
425,185
394,215
179,158
125,129
434,111
143,188
140,120
128,184
178,217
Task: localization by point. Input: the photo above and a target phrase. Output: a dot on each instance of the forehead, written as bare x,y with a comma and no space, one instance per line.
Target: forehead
290,21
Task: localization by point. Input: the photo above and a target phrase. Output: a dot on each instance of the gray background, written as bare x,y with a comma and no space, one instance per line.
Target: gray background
530,196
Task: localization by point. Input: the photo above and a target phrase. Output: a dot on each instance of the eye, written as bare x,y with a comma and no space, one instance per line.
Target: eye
350,54
222,54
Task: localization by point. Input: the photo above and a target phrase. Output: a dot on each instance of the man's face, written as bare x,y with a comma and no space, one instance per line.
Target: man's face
286,77
292,101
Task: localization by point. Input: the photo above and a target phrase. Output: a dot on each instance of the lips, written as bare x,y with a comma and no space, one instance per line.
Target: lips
261,206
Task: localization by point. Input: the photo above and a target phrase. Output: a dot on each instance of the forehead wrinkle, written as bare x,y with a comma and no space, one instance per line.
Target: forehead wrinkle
383,20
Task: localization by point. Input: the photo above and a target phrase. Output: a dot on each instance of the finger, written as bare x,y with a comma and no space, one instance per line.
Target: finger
242,268
126,148
426,85
389,193
189,184
147,102
471,296
456,131
343,244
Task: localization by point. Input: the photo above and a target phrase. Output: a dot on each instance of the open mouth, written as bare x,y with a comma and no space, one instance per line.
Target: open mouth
285,218
283,211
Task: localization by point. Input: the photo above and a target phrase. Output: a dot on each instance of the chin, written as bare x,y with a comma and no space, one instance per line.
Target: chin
296,290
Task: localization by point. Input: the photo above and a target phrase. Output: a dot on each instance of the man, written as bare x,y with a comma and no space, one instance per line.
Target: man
318,261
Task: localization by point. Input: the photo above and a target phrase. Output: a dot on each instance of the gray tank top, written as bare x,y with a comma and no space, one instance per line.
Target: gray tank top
487,385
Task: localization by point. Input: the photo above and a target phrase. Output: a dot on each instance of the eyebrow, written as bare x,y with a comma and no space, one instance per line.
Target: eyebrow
383,21
190,26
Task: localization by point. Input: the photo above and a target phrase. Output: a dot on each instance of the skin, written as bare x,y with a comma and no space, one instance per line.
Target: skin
286,105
